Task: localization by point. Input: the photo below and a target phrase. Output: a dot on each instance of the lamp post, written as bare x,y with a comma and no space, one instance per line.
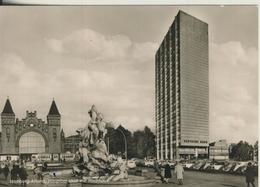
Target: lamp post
124,140
108,145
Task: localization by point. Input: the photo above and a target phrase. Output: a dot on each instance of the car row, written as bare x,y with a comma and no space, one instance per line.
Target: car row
233,167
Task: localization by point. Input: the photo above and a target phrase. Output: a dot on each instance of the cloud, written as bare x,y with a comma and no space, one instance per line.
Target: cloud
55,45
92,45
233,92
14,71
119,81
116,74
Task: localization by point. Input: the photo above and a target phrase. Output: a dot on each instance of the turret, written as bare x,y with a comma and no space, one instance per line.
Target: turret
8,126
7,116
53,119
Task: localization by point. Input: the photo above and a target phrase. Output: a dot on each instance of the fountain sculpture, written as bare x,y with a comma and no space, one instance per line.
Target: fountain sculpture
95,161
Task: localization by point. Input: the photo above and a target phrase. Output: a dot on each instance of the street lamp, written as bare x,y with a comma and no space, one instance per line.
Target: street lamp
108,145
124,140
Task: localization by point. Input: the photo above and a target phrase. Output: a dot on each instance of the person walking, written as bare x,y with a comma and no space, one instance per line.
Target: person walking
44,166
6,171
179,172
250,174
14,172
23,175
38,172
158,171
167,172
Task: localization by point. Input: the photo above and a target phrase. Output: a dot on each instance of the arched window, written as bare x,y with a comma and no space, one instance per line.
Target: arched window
8,133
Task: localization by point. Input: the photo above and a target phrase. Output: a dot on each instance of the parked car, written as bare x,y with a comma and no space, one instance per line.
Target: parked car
240,167
131,164
218,167
239,164
208,166
138,162
204,167
161,163
149,163
228,167
188,165
241,170
198,165
172,163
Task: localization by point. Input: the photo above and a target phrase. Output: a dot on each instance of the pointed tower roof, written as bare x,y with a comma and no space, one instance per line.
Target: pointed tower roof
8,108
62,133
54,110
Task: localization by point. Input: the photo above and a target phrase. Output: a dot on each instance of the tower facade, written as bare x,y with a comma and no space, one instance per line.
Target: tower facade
53,120
8,128
181,79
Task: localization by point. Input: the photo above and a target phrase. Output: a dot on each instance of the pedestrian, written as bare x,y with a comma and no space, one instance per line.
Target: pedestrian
250,174
14,172
6,171
44,166
179,172
167,172
38,172
158,171
23,175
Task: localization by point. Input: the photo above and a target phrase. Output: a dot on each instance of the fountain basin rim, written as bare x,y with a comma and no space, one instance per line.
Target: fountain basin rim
136,182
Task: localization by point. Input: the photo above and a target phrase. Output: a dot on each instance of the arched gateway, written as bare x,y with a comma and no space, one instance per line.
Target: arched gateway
30,135
31,142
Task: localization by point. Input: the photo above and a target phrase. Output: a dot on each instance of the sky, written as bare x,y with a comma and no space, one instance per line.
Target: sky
104,55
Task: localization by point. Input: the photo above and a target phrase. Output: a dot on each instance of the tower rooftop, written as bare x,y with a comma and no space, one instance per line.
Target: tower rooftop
54,110
8,108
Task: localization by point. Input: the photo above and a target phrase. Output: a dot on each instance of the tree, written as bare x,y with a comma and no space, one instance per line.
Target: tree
139,144
116,140
232,149
144,143
149,142
242,151
128,136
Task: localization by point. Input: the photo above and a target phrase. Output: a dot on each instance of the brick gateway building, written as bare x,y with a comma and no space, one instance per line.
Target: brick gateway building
30,135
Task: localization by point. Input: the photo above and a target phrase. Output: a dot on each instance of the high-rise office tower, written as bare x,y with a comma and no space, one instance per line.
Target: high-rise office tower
182,91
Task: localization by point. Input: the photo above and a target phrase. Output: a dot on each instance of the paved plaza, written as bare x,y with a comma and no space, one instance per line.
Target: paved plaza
191,179
201,179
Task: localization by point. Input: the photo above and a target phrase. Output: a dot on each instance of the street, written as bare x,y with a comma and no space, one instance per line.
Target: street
191,179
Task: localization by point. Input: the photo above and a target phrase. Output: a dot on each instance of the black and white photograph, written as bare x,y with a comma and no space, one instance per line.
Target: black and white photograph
130,95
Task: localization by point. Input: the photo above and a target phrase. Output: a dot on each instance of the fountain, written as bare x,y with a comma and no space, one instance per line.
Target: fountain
96,166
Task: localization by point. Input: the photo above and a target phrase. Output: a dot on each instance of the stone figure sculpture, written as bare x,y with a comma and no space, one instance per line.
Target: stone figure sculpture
95,161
